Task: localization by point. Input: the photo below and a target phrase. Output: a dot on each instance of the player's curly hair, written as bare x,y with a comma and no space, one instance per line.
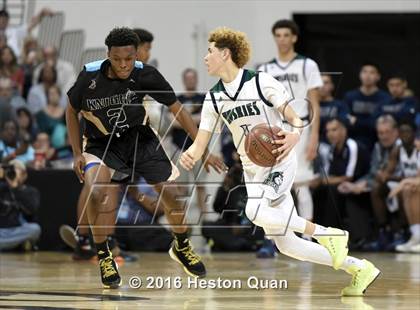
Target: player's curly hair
236,41
122,37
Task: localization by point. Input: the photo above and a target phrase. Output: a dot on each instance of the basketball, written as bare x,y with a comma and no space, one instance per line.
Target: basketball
258,145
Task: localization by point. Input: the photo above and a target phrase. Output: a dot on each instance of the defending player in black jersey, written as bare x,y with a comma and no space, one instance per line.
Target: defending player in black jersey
119,144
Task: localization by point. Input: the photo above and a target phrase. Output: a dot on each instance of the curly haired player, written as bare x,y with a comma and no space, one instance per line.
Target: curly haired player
242,99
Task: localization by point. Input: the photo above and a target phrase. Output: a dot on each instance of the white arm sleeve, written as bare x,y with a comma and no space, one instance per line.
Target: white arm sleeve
210,120
313,76
273,90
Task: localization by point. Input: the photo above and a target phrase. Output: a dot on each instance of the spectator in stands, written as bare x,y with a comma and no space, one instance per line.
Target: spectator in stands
402,163
410,191
31,58
44,152
3,40
37,97
363,102
12,145
16,35
9,68
51,119
329,106
27,125
400,106
346,161
387,132
9,102
65,70
18,204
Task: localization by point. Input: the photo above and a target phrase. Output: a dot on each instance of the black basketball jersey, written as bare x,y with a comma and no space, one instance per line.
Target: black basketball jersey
106,103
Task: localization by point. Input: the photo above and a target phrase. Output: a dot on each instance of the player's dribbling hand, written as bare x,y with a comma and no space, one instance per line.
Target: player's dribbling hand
216,162
78,165
187,160
286,144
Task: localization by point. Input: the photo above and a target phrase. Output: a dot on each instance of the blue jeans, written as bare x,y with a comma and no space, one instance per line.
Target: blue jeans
14,236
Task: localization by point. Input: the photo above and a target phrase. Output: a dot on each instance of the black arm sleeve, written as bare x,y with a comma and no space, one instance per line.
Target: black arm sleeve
75,92
159,88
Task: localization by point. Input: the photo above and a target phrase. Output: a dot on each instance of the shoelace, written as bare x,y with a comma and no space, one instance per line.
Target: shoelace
355,280
190,255
107,267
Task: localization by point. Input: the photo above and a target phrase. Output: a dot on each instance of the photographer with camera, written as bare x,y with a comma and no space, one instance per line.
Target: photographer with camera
18,206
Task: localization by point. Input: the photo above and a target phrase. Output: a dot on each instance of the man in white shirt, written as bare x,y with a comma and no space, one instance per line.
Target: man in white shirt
15,35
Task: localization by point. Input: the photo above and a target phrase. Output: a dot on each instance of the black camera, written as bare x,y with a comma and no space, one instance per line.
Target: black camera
9,171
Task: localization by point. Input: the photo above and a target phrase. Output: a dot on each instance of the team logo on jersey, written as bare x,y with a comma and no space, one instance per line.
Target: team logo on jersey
132,81
274,180
248,109
92,84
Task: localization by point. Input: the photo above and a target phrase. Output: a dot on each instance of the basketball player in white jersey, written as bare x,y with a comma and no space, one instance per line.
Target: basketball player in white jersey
242,99
301,77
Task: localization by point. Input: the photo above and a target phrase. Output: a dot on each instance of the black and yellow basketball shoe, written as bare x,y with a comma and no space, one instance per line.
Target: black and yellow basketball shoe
183,253
109,271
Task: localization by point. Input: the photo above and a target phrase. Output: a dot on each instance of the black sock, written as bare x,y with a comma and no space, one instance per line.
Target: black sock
112,242
181,239
83,239
102,249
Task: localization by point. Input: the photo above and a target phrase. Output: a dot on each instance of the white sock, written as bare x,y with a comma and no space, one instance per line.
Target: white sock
351,261
415,231
319,231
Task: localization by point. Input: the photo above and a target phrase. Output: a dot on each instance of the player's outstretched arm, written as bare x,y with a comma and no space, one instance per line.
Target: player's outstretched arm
184,119
196,150
183,116
73,129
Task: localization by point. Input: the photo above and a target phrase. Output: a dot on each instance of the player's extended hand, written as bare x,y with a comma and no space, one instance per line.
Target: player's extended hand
286,144
79,163
216,162
187,160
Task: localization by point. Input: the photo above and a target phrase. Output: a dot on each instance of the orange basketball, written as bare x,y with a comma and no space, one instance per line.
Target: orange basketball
258,145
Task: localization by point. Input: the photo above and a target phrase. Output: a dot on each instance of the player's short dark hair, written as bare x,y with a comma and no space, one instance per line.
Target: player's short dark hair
4,13
398,76
144,35
407,122
286,23
370,64
122,37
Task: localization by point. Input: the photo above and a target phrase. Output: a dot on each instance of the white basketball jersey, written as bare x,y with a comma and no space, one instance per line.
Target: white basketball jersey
297,76
248,108
410,165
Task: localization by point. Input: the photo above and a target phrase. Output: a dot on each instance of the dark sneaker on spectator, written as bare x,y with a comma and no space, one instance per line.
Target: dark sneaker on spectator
81,244
268,250
398,239
379,245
